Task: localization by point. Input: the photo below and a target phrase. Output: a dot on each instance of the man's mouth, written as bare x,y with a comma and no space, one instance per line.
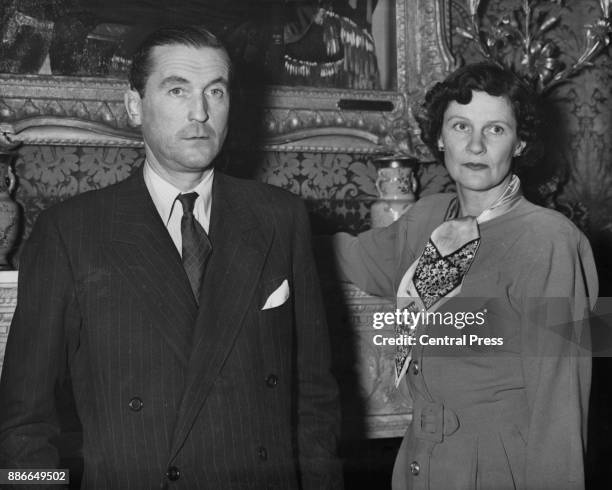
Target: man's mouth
475,166
196,133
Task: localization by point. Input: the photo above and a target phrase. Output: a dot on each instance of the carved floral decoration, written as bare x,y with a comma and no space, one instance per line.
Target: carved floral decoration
521,40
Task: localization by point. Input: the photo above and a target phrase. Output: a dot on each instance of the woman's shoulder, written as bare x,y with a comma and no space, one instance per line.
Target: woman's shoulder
554,252
544,232
545,222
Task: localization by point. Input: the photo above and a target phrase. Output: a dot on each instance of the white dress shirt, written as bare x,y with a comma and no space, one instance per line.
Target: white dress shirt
164,196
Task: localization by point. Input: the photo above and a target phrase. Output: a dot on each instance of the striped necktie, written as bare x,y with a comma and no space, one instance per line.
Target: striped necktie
196,244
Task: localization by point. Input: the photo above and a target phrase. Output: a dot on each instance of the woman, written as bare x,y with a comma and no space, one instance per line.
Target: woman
508,412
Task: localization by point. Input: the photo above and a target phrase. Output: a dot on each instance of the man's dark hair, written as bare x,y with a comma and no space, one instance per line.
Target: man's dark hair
194,36
496,81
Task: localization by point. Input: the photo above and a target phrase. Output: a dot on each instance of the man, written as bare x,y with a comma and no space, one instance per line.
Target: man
182,378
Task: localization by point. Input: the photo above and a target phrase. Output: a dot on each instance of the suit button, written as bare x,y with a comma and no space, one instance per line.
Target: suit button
272,380
262,452
415,367
173,473
135,404
415,468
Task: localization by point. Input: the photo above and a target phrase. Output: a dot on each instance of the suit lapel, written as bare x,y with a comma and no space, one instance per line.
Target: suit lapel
147,258
241,242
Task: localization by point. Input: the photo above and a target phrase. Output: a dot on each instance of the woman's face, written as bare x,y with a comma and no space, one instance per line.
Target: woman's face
479,140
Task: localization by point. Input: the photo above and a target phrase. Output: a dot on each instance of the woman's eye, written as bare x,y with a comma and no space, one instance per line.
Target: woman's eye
176,91
460,126
497,130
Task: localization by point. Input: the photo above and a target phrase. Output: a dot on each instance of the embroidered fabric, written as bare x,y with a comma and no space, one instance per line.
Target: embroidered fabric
436,276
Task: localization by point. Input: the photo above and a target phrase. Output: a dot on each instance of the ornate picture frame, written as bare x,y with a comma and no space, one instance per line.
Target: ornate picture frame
89,111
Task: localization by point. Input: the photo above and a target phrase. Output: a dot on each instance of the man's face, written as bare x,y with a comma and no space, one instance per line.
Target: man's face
184,110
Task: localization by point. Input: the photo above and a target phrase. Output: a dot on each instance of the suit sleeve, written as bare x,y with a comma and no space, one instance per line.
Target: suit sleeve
35,361
557,362
318,402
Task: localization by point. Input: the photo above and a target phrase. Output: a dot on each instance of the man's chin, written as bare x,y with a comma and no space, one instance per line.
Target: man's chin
199,160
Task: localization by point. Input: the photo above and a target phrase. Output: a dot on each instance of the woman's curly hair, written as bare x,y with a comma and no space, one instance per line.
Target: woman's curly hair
496,81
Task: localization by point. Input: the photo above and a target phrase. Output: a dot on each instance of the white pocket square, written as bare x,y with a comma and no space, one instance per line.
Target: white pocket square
278,297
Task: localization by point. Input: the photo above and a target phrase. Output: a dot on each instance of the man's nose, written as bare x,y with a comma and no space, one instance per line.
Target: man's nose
199,109
476,144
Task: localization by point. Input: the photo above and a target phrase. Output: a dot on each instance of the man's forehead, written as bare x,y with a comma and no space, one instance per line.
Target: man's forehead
183,60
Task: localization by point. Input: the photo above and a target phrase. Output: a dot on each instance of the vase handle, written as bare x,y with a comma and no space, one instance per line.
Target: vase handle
414,184
377,184
11,181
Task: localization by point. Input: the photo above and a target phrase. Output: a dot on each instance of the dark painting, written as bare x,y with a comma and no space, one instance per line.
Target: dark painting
316,43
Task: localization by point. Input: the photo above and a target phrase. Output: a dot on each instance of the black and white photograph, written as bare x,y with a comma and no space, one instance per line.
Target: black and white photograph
305,244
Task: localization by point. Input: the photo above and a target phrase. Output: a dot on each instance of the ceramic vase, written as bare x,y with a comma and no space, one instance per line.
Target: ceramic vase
396,185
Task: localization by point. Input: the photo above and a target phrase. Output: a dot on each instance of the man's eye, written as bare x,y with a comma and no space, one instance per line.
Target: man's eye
217,92
176,91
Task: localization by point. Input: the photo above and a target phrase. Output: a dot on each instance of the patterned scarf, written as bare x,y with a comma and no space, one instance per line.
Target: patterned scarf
439,271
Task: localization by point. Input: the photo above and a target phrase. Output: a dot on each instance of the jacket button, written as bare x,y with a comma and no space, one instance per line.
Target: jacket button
173,473
415,367
415,468
135,404
262,452
272,380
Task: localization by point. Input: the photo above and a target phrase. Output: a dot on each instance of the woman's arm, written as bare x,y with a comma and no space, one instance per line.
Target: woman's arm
369,260
376,259
556,361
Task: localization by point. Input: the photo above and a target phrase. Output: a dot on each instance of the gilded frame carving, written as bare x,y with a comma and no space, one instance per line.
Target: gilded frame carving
57,110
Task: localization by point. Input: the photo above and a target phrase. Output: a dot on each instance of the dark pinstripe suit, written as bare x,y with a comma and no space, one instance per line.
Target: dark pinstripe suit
232,396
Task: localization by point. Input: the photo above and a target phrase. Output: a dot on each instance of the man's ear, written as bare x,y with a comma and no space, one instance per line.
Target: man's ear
133,105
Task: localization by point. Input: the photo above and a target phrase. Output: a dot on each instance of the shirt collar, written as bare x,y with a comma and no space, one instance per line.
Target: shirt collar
164,193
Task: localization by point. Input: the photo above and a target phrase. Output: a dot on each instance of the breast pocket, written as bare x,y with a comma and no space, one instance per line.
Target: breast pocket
275,293
275,327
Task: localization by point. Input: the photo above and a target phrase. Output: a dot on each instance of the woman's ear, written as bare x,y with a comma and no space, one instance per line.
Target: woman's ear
133,105
519,148
440,144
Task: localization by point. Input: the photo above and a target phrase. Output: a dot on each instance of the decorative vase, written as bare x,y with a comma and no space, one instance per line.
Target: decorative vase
396,185
9,209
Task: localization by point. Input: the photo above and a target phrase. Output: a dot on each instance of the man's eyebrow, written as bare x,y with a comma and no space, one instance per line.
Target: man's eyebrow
221,80
175,79
172,79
